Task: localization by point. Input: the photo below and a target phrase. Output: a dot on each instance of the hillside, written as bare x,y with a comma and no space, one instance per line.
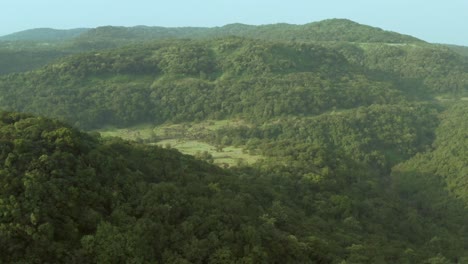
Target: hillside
71,197
447,159
231,77
327,30
16,61
44,34
462,50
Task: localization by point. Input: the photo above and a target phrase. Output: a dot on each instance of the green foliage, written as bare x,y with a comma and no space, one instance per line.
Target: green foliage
379,136
25,56
44,34
326,30
68,197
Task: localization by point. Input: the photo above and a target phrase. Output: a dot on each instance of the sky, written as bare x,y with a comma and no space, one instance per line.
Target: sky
431,20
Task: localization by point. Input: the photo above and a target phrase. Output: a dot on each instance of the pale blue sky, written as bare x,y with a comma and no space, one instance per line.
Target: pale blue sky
432,20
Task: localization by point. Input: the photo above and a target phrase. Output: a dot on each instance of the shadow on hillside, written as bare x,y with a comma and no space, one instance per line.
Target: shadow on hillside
431,206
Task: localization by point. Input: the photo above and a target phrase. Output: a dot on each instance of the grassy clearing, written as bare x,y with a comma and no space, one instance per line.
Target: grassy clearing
230,156
183,138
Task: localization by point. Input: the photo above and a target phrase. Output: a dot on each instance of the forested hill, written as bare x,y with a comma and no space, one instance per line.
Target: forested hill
229,77
44,34
326,30
462,50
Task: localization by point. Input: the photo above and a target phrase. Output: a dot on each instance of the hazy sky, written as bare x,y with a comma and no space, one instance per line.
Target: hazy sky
432,20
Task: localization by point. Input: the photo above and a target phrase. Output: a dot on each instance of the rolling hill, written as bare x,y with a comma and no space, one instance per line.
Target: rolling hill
16,48
44,34
229,77
326,30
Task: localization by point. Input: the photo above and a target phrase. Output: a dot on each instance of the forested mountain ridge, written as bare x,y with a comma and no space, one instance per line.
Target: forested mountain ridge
17,48
228,77
326,30
462,50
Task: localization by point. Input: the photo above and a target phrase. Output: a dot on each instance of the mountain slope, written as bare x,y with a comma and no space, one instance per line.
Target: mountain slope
327,30
462,50
349,31
447,158
44,34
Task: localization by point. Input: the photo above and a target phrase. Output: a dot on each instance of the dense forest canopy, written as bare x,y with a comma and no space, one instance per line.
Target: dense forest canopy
70,197
326,30
361,134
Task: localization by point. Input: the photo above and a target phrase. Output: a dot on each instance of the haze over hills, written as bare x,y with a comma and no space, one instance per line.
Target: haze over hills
44,34
327,30
359,138
462,50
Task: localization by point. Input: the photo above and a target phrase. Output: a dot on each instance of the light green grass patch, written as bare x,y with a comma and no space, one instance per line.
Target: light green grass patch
231,156
183,137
